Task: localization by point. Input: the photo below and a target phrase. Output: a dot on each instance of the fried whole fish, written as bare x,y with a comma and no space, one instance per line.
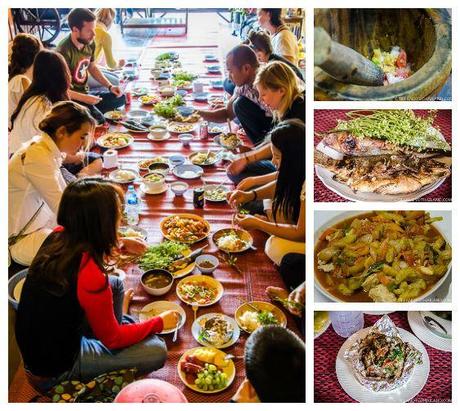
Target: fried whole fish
385,174
347,144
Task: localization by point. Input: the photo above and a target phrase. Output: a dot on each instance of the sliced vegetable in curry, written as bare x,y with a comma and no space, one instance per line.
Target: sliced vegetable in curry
382,256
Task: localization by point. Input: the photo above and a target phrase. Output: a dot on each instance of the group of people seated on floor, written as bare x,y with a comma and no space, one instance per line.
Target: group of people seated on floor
65,227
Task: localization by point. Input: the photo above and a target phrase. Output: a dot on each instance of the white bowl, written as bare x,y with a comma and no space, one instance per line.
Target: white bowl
156,72
158,131
207,257
153,185
166,90
157,291
179,188
185,138
327,219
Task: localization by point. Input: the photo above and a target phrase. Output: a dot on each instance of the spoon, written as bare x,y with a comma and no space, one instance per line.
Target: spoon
177,328
195,309
233,357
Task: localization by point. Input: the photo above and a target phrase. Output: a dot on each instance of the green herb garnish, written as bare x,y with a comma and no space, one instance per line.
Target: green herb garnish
162,255
402,127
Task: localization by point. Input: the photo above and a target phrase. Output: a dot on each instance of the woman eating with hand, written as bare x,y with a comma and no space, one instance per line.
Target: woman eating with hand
71,322
286,221
283,93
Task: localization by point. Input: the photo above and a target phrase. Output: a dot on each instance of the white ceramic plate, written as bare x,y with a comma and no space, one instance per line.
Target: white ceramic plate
181,128
101,141
211,161
360,393
196,329
325,219
160,191
142,232
113,176
210,187
423,333
109,115
188,171
151,137
158,307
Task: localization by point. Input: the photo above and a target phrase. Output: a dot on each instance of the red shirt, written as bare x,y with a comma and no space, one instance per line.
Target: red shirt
97,303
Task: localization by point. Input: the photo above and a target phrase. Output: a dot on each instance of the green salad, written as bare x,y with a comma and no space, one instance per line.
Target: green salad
162,255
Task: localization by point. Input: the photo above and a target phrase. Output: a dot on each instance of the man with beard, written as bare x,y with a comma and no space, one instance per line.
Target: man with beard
78,50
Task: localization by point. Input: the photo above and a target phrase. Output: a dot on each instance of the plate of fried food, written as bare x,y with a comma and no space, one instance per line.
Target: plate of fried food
185,228
190,118
149,99
204,158
176,127
115,140
229,141
114,115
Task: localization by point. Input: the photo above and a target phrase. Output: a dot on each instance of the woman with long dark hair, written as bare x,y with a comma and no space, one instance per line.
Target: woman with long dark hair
67,288
35,181
50,84
23,51
286,222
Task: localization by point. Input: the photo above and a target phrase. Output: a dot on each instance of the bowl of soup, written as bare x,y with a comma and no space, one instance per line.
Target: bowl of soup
153,181
382,256
160,168
157,282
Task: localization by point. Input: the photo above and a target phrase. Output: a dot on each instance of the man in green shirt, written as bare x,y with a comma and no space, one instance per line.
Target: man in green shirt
78,50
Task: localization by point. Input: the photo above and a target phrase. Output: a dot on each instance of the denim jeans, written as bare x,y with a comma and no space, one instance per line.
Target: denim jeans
109,102
93,84
253,119
95,359
259,168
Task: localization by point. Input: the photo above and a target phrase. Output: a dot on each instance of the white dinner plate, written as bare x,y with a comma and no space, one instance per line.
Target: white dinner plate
423,333
358,392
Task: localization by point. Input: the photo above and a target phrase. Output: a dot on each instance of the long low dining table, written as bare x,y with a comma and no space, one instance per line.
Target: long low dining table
254,270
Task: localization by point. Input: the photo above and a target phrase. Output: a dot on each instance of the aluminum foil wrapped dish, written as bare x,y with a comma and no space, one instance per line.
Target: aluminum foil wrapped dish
382,361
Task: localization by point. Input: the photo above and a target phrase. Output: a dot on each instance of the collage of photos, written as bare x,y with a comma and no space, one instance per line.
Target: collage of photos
231,205
156,188
377,254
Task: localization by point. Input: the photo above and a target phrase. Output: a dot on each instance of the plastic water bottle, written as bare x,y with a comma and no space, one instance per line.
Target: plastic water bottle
132,206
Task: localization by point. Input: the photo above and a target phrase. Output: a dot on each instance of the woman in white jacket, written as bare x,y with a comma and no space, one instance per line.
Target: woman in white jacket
35,181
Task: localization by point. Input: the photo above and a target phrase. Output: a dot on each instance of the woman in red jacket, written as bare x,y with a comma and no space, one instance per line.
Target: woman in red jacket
67,290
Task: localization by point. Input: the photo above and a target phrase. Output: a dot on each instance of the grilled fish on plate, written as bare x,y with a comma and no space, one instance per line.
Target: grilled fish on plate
386,174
